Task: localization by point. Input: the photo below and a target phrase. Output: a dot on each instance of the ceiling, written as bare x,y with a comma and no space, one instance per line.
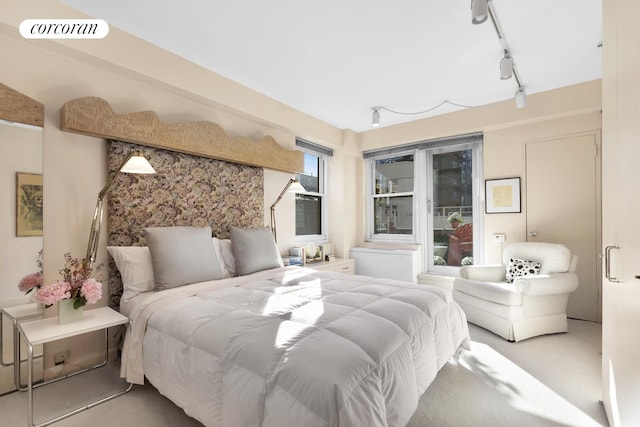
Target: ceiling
336,59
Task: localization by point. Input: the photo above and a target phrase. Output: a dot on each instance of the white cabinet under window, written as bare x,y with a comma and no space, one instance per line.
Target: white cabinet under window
398,264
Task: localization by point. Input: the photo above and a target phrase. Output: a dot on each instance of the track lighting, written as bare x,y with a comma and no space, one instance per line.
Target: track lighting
521,98
479,11
375,117
506,67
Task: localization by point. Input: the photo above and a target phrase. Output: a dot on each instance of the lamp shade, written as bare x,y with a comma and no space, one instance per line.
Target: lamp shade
479,11
296,187
138,164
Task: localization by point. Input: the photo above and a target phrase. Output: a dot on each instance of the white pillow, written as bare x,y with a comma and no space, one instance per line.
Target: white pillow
254,249
182,255
225,256
136,270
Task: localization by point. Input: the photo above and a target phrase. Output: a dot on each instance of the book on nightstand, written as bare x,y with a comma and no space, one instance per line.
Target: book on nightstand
296,257
292,260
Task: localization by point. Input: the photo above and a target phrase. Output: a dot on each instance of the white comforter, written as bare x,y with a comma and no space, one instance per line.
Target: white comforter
295,347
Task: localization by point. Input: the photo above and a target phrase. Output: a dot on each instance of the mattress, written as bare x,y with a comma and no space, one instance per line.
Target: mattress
294,347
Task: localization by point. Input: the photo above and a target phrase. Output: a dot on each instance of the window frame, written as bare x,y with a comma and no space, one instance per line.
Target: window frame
323,180
423,227
478,206
372,236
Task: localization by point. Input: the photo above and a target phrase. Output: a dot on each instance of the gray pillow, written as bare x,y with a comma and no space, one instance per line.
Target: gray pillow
254,249
182,255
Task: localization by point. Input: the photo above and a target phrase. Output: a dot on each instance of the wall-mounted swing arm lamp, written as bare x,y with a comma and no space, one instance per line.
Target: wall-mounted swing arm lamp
135,163
293,186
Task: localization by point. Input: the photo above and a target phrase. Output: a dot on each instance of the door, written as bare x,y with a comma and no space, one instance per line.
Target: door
562,207
452,177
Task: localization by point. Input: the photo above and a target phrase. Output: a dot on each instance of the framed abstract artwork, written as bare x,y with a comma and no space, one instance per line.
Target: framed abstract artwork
28,204
502,195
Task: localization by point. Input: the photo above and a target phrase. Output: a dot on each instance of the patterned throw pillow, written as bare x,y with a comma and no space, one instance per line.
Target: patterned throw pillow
519,267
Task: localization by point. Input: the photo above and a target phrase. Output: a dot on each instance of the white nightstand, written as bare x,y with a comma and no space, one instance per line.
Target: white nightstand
47,330
341,265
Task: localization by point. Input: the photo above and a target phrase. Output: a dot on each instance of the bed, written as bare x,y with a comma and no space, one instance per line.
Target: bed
289,346
227,333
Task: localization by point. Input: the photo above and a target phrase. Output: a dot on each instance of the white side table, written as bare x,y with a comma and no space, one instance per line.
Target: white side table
47,330
16,314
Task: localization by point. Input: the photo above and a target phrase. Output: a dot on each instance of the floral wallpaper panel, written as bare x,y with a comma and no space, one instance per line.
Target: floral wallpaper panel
186,190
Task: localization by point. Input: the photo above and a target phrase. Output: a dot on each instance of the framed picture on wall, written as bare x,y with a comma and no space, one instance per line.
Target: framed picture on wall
502,195
28,204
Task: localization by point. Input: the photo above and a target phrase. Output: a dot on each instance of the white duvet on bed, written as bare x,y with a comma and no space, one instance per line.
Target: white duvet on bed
294,347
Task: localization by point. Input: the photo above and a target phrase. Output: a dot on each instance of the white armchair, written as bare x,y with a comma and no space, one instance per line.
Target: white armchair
533,304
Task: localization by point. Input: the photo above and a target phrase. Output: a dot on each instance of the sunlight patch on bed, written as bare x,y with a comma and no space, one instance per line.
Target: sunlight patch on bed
291,276
312,283
521,390
288,333
306,303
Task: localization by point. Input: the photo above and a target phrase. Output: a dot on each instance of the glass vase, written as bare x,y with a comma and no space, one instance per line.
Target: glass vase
66,312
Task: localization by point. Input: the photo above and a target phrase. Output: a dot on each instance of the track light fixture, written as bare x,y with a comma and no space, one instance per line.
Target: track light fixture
506,66
479,11
375,117
521,98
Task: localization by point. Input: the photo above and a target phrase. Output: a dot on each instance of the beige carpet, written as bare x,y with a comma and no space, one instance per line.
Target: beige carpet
552,380
545,381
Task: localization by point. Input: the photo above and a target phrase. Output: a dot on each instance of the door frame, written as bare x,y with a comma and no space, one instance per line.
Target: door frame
597,134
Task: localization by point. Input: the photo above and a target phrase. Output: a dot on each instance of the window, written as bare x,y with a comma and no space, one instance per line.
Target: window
452,196
311,205
428,193
393,196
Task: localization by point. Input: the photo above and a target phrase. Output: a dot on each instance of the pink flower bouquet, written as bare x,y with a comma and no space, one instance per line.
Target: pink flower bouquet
76,284
34,280
29,282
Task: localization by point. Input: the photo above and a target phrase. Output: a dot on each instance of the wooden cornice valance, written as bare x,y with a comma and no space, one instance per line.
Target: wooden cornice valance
93,116
19,108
